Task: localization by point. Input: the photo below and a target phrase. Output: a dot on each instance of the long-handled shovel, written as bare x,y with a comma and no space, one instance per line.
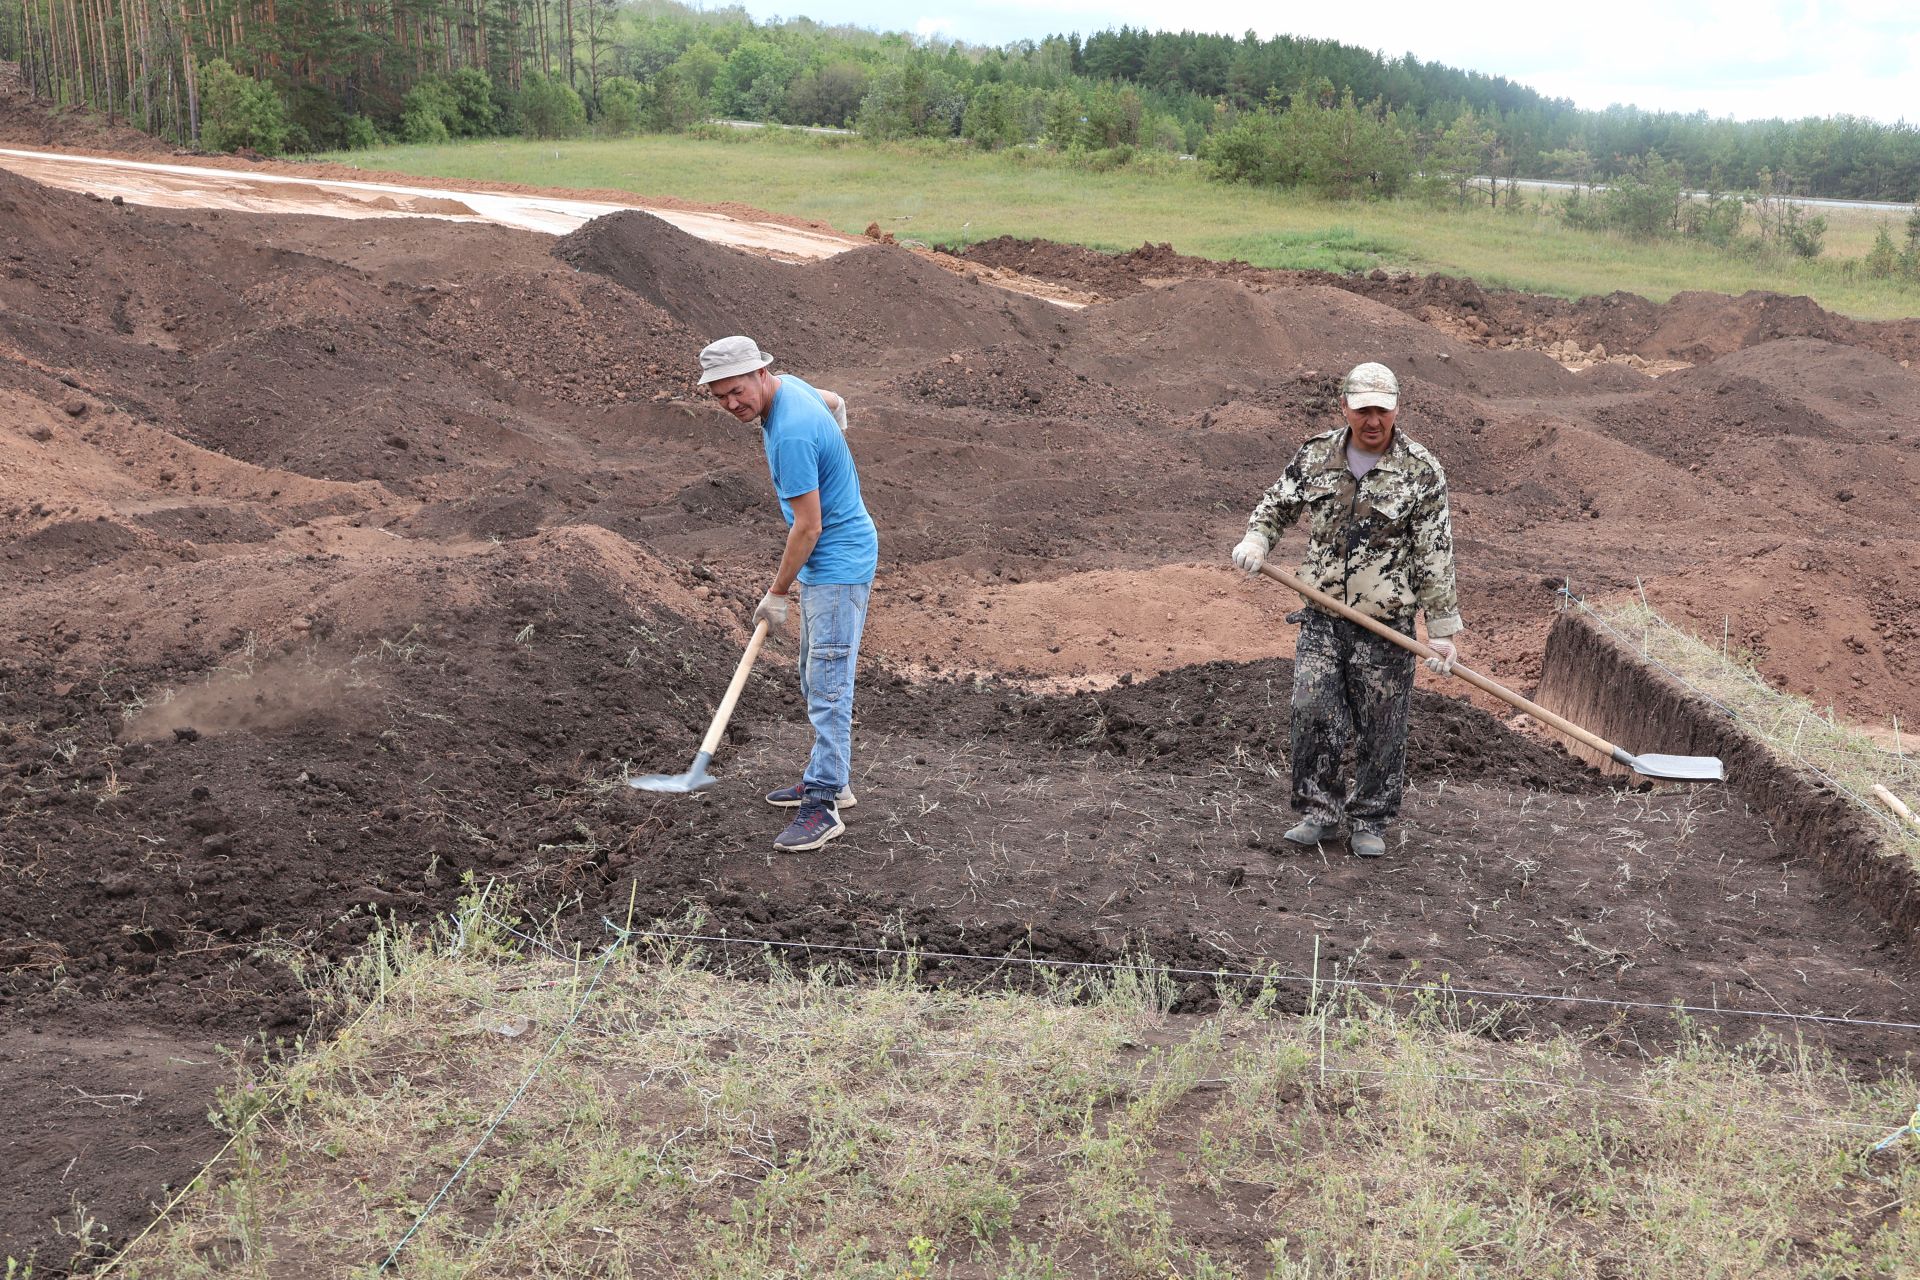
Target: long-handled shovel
1679,768
697,777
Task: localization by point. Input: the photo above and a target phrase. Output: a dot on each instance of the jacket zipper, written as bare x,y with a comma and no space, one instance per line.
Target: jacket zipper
1346,546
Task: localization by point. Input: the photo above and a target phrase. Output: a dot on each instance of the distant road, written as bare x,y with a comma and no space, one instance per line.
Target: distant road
1882,206
799,128
180,186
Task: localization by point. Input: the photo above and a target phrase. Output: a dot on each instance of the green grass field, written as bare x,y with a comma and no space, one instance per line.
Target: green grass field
951,196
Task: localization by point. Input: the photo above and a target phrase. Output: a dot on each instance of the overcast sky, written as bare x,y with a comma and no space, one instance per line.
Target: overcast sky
1742,58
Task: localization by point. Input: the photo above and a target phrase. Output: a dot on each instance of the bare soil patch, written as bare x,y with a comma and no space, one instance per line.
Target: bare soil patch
345,565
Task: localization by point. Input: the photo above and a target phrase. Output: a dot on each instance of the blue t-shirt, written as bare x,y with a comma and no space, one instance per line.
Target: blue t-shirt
806,450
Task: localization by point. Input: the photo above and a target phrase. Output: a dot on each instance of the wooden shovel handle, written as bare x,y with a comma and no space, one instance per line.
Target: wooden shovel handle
711,742
1474,678
1896,804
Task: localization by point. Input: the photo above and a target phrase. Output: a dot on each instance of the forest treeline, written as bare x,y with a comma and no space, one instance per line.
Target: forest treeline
305,75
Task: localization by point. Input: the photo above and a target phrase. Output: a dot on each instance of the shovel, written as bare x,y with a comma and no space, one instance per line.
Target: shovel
1677,768
698,777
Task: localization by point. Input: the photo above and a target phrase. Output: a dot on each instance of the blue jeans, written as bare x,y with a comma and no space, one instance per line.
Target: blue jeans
832,617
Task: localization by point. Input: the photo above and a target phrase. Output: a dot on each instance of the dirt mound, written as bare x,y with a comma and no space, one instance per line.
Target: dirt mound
1698,327
31,123
1692,327
856,308
1196,337
1019,379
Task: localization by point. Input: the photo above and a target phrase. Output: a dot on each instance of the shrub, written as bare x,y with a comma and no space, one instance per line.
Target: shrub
505,101
1910,252
237,111
358,133
830,95
913,99
1883,259
441,107
550,109
1715,219
674,103
1251,150
472,92
1340,151
620,104
314,120
752,83
1644,200
424,111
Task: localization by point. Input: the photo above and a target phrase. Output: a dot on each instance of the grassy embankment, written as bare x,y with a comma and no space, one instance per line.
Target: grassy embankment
950,195
690,1124
1786,722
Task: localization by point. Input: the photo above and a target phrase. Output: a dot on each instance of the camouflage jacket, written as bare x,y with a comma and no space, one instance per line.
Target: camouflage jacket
1384,544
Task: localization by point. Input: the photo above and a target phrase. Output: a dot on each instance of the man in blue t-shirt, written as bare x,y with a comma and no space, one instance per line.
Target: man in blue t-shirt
832,550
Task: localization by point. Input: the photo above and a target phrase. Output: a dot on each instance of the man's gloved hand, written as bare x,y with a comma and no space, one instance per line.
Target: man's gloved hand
836,405
773,608
1448,652
1251,552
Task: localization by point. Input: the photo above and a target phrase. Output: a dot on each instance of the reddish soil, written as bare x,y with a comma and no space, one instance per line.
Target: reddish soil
37,125
344,562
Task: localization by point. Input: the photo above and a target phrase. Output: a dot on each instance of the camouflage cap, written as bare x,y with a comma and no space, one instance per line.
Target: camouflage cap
1371,384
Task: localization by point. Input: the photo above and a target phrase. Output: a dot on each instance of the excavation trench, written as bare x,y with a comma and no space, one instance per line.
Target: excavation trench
1594,680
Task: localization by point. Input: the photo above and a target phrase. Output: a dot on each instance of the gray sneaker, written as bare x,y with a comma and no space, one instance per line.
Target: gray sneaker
1309,833
1369,844
790,797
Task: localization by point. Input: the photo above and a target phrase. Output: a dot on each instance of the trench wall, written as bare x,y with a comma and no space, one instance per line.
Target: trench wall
1599,684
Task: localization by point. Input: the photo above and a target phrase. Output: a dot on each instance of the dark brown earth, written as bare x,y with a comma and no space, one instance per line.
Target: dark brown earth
346,561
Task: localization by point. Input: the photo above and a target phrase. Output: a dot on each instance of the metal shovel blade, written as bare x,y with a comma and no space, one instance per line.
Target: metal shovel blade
692,780
1677,768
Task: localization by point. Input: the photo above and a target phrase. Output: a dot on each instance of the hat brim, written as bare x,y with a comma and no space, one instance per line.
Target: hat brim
735,369
1373,400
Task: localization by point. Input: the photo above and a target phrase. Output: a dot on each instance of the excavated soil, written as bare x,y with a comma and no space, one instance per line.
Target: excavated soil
347,561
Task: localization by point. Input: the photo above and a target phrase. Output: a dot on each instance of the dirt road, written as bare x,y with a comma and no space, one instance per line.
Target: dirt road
179,186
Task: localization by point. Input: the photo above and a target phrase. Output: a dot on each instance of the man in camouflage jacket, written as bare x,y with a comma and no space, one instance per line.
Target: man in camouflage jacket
1381,541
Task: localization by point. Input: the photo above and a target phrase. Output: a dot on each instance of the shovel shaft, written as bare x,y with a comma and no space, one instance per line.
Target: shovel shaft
739,682
1474,678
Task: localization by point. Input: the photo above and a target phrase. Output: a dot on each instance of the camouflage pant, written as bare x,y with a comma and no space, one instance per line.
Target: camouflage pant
1350,688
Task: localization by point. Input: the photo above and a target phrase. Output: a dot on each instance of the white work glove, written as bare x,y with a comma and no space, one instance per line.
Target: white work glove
836,405
1448,653
773,609
1251,552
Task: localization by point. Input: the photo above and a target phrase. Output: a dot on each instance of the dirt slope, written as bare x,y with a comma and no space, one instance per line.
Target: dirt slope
342,565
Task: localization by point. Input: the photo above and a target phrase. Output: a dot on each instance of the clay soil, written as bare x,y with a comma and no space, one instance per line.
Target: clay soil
347,560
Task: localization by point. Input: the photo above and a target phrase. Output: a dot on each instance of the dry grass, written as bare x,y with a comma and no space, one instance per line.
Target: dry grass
1787,723
863,1125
